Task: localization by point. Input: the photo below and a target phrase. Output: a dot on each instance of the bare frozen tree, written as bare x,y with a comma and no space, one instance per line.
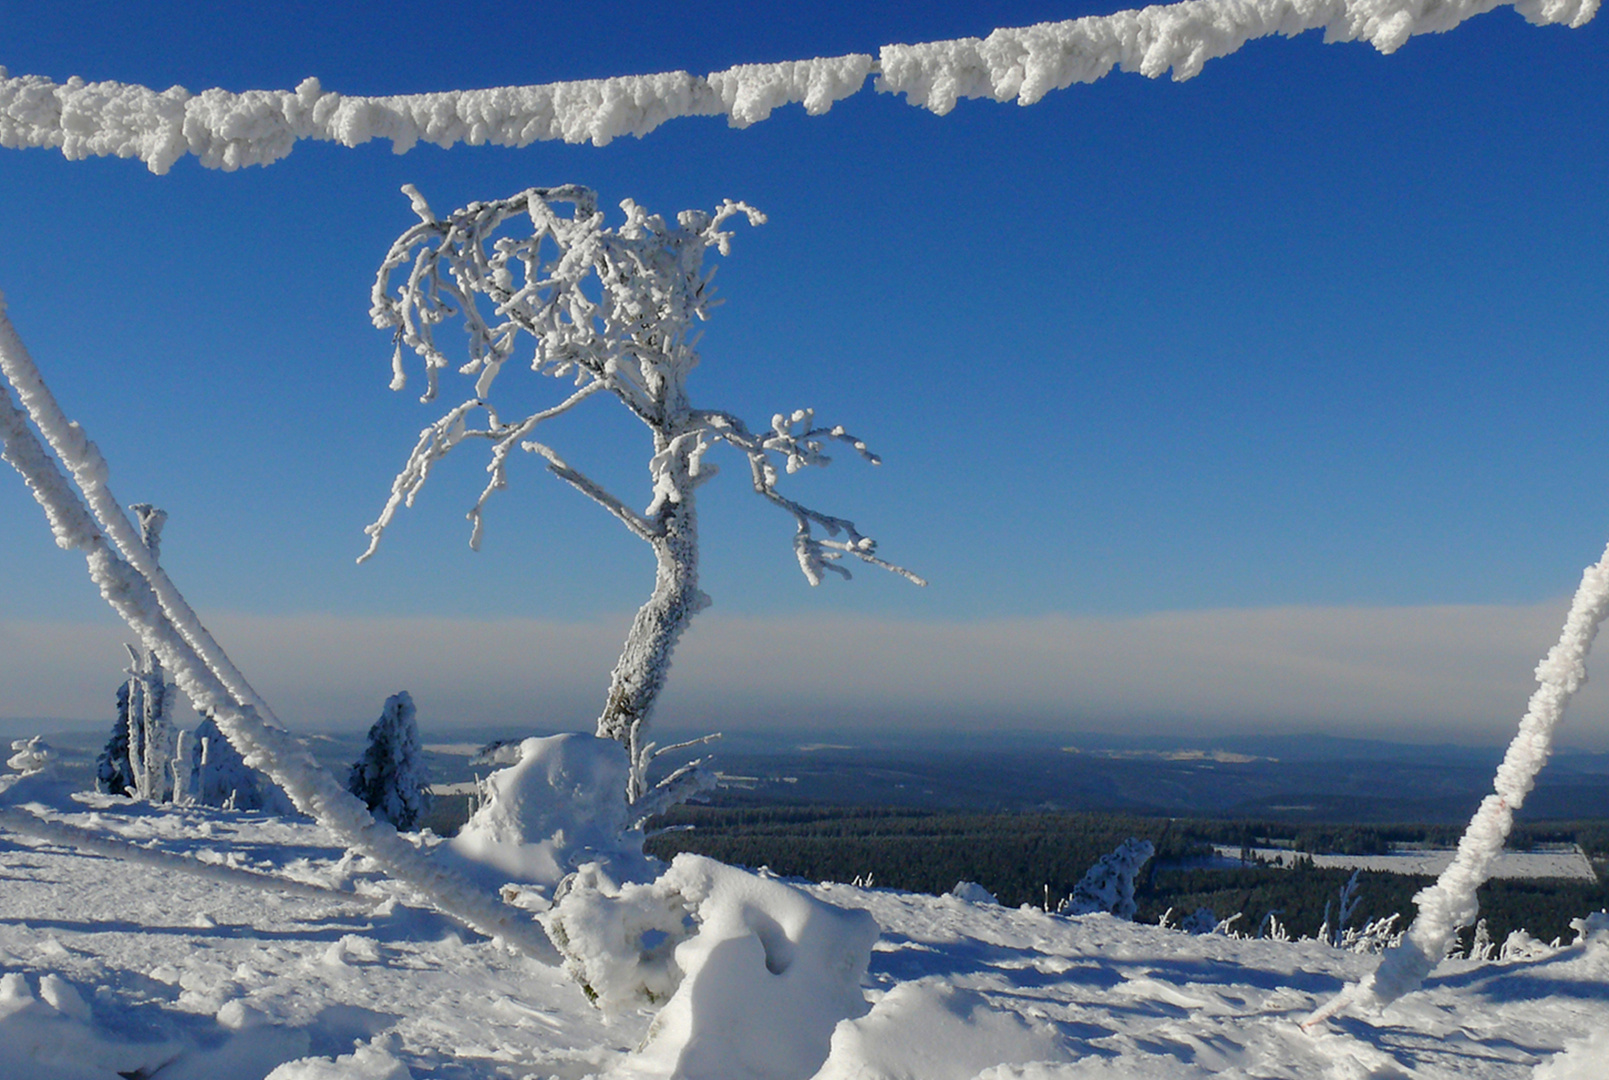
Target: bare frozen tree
609,311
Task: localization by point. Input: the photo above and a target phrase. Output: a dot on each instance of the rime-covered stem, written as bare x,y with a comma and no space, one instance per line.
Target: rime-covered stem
644,662
264,746
1450,903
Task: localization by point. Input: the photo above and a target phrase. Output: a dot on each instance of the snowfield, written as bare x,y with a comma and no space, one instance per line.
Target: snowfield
1430,862
114,967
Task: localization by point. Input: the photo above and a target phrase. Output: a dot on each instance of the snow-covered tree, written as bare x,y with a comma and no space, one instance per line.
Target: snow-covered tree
390,778
114,774
1109,884
138,756
609,311
217,775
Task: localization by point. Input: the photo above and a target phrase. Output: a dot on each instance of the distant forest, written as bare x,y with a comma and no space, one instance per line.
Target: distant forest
1025,858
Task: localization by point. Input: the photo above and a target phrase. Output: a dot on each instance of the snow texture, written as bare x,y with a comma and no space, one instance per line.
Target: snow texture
1109,885
230,130
111,967
929,1030
1451,904
139,590
390,777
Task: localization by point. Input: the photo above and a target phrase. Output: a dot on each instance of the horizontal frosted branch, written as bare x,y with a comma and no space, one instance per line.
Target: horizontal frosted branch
18,820
228,130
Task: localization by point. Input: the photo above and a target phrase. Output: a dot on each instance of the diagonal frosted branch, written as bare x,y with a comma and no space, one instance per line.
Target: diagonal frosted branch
640,528
131,588
1451,902
437,440
800,449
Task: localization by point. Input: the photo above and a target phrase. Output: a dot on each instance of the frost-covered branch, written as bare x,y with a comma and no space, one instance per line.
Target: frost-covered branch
1450,904
134,586
18,820
800,445
228,130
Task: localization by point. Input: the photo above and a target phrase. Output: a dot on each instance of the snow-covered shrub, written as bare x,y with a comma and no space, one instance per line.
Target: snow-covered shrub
613,312
31,755
390,777
759,973
1272,929
217,775
1109,884
1376,936
38,777
1203,920
1348,898
1588,929
561,805
1482,948
1520,945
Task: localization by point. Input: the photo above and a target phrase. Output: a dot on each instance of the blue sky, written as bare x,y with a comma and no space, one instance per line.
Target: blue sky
1319,330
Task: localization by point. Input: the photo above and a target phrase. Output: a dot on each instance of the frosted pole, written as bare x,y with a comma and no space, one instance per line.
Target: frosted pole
227,130
1450,903
265,746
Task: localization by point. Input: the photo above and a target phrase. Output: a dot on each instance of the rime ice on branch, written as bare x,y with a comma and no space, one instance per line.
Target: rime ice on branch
1451,903
634,342
228,130
139,590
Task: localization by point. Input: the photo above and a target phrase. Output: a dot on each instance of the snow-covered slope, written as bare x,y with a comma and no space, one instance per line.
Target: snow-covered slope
116,967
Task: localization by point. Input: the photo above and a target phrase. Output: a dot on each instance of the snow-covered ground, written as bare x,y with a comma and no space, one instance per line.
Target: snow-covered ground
111,967
1429,862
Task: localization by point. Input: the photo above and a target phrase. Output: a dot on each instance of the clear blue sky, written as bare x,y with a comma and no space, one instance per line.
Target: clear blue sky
1318,329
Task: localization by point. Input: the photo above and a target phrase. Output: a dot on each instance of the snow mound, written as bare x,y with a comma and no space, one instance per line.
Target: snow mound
973,893
373,1062
928,1030
560,806
762,972
1582,1059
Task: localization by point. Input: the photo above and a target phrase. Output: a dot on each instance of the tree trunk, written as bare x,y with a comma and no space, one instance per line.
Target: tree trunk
645,660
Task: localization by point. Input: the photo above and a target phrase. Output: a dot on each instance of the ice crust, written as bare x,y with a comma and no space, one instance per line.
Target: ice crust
257,127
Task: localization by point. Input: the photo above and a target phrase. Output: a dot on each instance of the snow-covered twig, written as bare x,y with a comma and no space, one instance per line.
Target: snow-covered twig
228,130
1451,903
169,628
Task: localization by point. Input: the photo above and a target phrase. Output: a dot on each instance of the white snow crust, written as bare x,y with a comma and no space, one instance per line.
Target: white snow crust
257,127
109,966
